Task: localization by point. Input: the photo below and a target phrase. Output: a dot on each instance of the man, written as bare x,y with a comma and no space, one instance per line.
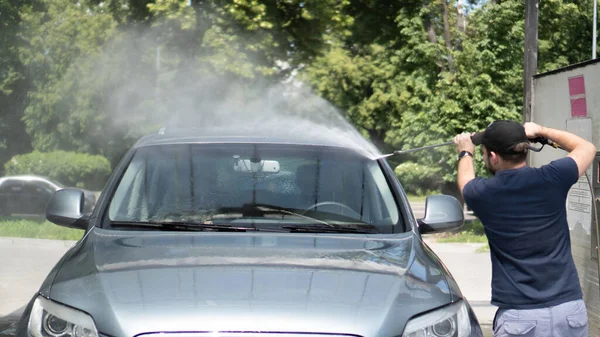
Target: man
523,210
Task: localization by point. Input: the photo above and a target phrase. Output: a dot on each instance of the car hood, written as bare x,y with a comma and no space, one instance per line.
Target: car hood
142,282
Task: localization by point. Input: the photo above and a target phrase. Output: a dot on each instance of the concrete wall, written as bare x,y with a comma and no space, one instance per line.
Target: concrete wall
558,104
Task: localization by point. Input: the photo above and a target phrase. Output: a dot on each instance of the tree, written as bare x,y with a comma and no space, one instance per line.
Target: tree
103,75
407,73
55,37
13,85
428,71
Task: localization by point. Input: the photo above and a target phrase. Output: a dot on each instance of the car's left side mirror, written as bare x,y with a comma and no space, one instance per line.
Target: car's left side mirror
442,213
65,208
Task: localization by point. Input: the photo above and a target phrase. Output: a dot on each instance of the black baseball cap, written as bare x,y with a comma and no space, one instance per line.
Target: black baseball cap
501,137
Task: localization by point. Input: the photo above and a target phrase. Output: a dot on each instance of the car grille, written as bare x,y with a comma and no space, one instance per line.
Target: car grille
242,334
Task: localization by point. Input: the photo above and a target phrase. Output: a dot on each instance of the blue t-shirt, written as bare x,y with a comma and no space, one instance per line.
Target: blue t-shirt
524,215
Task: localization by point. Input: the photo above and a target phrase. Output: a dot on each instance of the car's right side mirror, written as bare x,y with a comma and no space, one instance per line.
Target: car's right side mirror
442,213
64,208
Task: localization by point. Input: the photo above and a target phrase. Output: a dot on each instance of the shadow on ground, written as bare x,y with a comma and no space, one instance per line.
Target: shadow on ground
8,323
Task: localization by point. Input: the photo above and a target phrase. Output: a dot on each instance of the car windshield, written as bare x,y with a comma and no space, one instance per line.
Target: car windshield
254,185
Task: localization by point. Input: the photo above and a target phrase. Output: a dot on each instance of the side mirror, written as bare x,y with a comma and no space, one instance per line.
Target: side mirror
64,208
442,213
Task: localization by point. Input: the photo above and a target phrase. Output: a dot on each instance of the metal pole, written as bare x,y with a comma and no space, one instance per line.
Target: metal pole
157,84
531,51
423,148
594,31
157,59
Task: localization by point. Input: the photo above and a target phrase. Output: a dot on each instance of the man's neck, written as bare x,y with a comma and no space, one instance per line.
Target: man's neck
510,166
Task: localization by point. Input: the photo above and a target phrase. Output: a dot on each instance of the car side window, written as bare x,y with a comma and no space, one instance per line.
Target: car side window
42,185
11,187
34,188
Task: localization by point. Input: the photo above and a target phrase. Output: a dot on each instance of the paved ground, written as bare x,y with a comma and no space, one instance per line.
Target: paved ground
472,272
24,263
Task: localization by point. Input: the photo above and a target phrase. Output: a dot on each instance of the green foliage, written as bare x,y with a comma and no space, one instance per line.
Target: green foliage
55,35
23,228
13,84
105,72
433,77
565,33
418,179
69,168
92,76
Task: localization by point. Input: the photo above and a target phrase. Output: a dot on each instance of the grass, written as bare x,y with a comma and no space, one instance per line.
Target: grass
483,249
38,229
470,232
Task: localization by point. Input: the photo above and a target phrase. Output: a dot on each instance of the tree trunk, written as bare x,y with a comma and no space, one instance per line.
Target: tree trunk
461,21
431,35
448,35
430,30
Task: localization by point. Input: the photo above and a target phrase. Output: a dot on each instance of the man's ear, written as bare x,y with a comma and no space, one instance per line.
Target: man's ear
494,157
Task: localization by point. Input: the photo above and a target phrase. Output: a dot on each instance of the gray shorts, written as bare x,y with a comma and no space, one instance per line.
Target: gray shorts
566,319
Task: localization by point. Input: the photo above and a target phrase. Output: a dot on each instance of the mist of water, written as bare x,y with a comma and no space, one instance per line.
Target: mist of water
187,96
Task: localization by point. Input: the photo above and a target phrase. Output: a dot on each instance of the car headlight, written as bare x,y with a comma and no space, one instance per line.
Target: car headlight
50,319
449,321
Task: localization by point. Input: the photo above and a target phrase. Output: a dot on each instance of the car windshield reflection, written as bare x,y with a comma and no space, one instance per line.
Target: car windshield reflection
199,183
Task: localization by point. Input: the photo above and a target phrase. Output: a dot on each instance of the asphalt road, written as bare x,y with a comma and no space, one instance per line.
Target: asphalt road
24,263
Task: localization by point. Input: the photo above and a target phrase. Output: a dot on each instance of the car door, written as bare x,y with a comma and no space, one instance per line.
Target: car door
11,197
35,197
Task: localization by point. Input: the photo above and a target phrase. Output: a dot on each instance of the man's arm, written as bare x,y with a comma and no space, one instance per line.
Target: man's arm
466,169
582,151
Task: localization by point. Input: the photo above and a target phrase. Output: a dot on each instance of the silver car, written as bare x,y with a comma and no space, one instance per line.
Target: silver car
28,195
250,236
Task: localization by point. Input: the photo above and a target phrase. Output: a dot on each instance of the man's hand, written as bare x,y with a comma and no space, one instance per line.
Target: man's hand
581,150
466,170
533,130
463,143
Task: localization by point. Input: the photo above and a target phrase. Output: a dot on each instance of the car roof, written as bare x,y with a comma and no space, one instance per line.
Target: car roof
27,178
223,135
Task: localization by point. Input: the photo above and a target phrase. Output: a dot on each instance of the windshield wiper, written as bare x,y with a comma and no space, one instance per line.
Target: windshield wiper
334,228
260,210
184,226
226,214
271,209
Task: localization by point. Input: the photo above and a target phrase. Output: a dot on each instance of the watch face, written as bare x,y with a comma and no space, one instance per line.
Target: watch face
464,153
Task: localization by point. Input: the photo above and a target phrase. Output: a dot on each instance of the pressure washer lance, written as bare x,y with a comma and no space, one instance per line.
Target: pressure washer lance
541,140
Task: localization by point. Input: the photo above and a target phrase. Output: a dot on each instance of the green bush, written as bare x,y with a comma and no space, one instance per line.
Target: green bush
72,169
418,179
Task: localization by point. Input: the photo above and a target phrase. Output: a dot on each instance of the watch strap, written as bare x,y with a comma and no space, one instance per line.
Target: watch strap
464,154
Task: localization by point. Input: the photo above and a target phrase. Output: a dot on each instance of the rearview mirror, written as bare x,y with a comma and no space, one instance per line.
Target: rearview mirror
64,208
246,165
442,213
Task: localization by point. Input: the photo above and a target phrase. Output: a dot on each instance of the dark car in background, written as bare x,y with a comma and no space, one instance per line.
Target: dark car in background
242,235
28,195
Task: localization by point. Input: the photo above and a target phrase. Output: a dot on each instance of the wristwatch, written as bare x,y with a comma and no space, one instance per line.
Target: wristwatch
463,154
